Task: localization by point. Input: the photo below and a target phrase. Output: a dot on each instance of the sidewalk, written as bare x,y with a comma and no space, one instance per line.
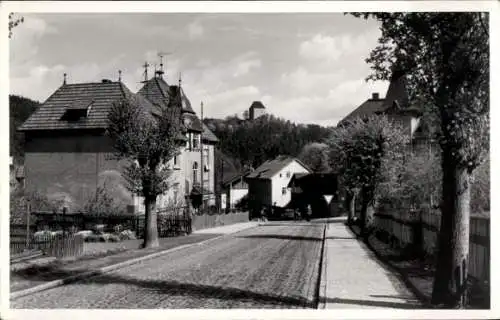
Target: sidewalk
48,269
352,277
232,228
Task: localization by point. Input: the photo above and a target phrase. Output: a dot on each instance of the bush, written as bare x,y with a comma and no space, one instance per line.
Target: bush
127,235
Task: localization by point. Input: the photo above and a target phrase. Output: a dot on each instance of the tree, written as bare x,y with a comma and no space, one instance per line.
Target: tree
14,22
20,108
446,59
364,153
315,156
147,141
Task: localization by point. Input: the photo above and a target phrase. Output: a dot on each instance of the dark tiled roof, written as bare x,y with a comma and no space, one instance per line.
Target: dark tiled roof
48,115
257,105
156,90
271,167
208,135
368,108
159,92
192,122
396,101
236,176
397,91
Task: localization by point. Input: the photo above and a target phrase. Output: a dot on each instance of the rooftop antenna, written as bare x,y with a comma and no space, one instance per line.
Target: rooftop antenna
145,66
119,75
161,54
180,79
64,81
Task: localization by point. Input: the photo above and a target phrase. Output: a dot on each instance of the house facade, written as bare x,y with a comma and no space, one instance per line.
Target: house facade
235,188
68,156
268,184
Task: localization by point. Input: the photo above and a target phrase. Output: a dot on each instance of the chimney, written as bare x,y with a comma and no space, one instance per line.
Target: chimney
106,81
375,96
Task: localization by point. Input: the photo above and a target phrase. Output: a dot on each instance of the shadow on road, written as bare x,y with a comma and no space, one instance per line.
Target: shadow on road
371,303
192,290
283,237
287,224
340,238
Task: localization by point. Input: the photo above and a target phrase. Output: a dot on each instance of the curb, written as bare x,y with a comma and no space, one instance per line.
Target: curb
403,276
88,274
323,273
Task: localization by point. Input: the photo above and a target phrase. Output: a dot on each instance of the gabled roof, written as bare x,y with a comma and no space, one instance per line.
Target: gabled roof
236,176
271,167
257,105
396,101
102,94
208,135
367,108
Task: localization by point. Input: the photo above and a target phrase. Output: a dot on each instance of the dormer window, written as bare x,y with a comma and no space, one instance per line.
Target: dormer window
77,110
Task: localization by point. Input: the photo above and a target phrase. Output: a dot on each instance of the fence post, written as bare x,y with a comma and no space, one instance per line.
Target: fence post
27,224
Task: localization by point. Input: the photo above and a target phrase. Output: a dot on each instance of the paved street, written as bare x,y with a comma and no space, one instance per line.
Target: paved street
275,265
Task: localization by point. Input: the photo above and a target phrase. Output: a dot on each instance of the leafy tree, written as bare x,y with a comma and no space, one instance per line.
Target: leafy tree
148,141
20,109
14,22
253,142
315,156
446,59
365,153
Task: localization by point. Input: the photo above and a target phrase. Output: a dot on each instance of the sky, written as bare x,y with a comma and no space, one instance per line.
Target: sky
306,68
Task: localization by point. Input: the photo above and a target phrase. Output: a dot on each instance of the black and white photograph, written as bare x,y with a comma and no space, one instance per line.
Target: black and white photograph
183,158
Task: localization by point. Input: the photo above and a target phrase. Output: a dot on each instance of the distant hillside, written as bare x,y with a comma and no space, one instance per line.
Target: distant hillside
20,108
253,142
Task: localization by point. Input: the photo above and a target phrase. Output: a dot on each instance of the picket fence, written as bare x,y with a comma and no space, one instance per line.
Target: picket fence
404,225
68,245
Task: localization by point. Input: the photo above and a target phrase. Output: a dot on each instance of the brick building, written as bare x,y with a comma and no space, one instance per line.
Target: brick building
68,155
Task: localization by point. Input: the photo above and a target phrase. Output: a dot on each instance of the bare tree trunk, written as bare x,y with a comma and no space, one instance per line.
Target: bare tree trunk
151,224
450,282
367,209
352,207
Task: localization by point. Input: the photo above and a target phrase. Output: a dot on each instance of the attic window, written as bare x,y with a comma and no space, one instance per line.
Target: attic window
77,110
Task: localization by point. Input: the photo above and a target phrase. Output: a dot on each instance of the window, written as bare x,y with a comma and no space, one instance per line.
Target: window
281,175
288,174
175,161
195,172
195,141
283,191
206,164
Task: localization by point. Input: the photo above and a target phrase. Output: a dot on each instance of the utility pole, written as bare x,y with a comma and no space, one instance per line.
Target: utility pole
201,163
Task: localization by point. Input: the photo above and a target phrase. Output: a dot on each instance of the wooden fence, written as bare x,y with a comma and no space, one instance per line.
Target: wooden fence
60,246
421,229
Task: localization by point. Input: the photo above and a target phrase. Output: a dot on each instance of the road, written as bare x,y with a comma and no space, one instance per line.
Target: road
271,266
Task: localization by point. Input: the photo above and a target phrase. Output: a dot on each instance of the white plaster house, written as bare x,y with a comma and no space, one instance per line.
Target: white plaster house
268,184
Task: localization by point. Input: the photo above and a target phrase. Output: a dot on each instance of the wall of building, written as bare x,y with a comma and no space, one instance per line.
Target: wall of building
69,168
281,195
235,195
